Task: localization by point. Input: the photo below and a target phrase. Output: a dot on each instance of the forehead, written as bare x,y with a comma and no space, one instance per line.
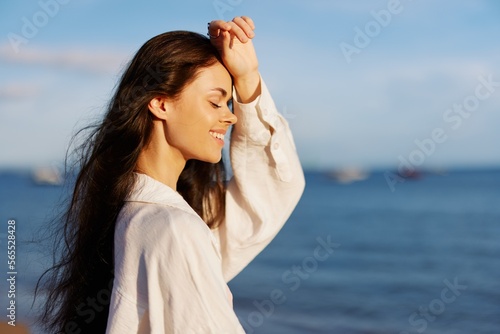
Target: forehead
213,77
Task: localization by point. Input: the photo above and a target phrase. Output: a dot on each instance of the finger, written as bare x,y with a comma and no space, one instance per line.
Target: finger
238,32
215,27
219,24
244,26
227,41
249,21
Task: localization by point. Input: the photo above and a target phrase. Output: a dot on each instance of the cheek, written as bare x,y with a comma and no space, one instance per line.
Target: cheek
206,118
189,136
192,124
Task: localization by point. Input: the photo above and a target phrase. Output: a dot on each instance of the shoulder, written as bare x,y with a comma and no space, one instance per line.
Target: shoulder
154,227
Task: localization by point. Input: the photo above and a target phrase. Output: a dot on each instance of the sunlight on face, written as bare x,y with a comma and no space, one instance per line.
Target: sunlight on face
200,117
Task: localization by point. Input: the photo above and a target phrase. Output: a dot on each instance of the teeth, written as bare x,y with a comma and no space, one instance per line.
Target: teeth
217,135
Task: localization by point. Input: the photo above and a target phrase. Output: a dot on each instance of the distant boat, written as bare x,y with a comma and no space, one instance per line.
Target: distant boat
47,176
349,175
411,174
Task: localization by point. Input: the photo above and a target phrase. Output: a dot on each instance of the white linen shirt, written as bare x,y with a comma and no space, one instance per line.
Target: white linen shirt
170,268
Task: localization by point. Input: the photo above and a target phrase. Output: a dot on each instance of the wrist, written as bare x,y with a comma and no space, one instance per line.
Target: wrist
247,87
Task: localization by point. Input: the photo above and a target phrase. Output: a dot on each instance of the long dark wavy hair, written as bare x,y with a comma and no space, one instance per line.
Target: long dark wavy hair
78,285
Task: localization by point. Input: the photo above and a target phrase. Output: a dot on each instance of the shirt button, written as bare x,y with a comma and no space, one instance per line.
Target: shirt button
264,112
276,146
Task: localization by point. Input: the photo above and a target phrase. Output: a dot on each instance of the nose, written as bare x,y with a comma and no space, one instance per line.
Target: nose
228,117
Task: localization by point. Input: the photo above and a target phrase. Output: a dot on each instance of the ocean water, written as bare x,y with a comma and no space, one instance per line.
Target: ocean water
353,258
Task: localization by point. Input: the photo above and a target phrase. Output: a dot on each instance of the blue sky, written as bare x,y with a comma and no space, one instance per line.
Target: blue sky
390,100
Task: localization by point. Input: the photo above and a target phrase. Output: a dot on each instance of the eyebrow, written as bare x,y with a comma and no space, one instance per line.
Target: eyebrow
221,90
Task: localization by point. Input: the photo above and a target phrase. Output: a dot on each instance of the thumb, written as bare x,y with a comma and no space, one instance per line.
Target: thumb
227,40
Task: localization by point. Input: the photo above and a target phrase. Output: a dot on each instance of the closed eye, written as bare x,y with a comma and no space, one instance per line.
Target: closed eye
215,105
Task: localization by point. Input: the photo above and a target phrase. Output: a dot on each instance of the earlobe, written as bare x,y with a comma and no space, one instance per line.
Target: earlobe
158,107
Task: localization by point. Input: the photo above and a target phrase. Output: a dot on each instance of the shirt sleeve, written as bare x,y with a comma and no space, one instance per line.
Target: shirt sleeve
266,185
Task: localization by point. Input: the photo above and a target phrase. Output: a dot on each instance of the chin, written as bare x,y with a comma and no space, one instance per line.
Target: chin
212,159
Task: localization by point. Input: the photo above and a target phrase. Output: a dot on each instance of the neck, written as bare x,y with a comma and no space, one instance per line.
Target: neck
160,161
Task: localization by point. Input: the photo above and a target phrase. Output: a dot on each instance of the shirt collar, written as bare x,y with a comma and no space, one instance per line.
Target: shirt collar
148,190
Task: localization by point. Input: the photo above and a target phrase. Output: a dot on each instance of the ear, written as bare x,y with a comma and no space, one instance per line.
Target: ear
159,107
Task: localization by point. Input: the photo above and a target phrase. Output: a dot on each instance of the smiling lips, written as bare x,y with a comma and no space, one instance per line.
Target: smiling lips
217,135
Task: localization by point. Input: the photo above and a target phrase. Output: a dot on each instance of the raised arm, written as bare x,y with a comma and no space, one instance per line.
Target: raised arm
268,179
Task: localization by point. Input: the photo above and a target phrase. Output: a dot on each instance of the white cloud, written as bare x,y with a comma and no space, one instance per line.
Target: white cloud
359,6
98,61
16,91
364,7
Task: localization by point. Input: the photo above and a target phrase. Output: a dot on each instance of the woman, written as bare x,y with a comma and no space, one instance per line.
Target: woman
153,232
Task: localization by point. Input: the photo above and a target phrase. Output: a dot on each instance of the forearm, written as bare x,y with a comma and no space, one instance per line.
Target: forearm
248,88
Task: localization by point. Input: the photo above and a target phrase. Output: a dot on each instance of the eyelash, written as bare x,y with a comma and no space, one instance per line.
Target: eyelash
216,106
